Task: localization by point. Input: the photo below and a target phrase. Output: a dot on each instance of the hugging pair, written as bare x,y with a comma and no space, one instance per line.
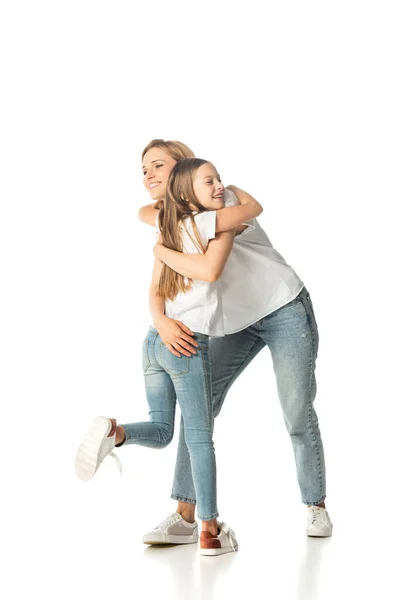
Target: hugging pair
219,294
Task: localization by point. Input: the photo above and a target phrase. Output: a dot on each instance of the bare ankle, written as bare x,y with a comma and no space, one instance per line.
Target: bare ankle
120,435
186,510
211,526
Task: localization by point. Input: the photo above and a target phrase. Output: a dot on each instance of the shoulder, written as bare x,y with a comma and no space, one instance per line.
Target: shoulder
205,223
205,217
230,198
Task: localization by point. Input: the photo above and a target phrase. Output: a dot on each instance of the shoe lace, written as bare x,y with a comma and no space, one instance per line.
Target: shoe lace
170,520
118,462
230,533
316,513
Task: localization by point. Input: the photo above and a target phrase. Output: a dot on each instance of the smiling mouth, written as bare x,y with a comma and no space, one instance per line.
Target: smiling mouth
153,185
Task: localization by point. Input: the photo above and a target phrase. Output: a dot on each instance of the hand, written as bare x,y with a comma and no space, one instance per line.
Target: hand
176,336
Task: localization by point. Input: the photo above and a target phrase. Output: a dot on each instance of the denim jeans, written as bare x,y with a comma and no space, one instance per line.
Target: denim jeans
187,379
291,334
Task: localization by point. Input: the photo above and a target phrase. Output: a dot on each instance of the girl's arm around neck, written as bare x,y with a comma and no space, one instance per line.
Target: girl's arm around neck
206,267
234,216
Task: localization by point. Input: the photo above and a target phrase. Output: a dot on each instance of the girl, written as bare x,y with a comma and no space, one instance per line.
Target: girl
192,220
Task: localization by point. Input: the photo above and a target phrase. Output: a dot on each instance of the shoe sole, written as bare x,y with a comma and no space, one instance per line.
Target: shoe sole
319,534
88,452
217,551
172,539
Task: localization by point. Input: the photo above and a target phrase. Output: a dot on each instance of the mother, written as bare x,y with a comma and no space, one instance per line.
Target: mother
265,304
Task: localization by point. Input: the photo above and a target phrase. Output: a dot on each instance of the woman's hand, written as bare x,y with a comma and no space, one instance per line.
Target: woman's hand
176,336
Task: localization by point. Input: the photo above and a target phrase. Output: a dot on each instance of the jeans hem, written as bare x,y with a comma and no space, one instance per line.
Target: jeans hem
214,516
314,502
127,435
183,499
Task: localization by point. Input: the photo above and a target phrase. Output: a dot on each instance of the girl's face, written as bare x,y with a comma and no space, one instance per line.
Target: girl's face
157,165
208,188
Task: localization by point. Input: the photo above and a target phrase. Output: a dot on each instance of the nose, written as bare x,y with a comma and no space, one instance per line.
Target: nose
149,175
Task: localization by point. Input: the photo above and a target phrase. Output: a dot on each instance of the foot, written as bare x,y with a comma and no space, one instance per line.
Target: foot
214,545
98,443
173,530
319,523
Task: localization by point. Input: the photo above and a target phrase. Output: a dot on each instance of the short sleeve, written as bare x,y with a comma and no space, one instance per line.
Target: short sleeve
206,223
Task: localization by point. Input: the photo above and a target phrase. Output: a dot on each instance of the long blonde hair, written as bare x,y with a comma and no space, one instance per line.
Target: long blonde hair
178,198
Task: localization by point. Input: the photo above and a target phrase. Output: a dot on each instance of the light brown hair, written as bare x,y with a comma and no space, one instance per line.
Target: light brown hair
179,198
176,150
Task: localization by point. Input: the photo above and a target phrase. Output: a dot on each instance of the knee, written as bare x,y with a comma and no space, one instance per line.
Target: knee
199,439
166,436
296,424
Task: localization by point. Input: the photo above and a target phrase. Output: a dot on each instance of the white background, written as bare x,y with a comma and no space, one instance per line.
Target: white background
296,102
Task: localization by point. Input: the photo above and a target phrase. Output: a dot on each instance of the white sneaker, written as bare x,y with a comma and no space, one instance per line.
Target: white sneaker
319,523
94,448
173,530
225,541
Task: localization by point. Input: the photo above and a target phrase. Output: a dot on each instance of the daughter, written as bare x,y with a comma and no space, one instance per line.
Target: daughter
192,220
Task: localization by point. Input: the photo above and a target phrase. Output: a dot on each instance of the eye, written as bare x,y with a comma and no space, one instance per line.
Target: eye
158,166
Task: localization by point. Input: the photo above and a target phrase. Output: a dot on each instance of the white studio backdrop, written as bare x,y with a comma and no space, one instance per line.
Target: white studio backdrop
296,102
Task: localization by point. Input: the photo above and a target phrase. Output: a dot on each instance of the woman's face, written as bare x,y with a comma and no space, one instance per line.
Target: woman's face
157,165
208,188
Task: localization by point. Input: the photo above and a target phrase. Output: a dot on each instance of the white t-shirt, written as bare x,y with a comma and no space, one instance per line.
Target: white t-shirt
256,280
200,308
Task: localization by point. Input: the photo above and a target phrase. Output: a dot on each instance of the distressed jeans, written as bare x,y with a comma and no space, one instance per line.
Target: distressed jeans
291,334
187,380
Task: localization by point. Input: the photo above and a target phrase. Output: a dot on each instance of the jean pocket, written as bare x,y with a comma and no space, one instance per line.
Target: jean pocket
145,355
173,365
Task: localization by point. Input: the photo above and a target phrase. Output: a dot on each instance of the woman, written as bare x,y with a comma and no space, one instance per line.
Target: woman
192,219
265,304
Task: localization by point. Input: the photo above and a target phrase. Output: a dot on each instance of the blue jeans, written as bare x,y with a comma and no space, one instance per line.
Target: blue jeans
187,379
291,334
